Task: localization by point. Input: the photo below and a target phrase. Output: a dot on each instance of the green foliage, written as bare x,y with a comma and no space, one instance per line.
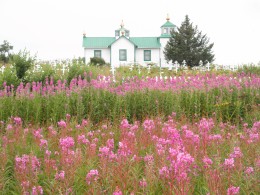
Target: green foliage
250,70
97,61
5,49
39,76
189,44
23,61
9,77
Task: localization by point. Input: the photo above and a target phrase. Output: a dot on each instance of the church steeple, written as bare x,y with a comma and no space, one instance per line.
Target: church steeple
122,31
167,27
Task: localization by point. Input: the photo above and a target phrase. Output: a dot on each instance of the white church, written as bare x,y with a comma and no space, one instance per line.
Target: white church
123,50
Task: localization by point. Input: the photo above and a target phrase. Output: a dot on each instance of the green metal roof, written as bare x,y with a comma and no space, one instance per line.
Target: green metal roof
168,24
121,38
165,36
97,42
104,42
146,42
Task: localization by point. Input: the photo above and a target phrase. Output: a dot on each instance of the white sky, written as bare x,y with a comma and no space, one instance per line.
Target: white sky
53,29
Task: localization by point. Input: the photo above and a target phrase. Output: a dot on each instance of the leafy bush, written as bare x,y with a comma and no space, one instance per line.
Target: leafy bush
22,62
39,76
97,61
9,77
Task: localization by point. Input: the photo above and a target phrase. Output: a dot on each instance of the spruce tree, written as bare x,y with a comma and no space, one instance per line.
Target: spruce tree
189,44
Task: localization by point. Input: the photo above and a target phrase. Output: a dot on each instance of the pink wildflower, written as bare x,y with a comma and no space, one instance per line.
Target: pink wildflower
43,143
143,183
37,190
92,176
66,143
207,162
117,191
62,124
124,124
164,172
249,170
237,153
18,121
229,163
233,190
60,176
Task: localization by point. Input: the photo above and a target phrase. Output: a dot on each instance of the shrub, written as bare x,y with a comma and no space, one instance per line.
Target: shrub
23,61
97,61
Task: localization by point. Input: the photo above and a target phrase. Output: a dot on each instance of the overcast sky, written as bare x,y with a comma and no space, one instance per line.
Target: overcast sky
53,28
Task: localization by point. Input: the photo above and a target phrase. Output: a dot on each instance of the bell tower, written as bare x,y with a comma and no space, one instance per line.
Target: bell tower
122,31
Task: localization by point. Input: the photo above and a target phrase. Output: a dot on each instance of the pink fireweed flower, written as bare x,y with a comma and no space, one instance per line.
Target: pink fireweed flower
215,137
48,152
9,127
84,123
60,175
124,124
110,143
25,185
207,162
249,170
37,134
117,191
104,151
66,143
26,163
205,125
123,149
185,158
82,139
62,124
92,176
36,190
164,172
148,125
229,163
233,190
43,143
18,121
237,153
149,159
143,183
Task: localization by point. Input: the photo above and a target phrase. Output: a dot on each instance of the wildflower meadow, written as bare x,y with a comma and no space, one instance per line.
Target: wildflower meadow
190,133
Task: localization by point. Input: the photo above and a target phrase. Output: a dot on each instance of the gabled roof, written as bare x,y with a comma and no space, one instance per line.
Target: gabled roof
146,42
105,42
168,24
97,42
123,37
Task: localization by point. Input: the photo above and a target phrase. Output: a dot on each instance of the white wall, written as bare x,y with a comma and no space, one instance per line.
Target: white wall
122,43
89,53
163,42
155,56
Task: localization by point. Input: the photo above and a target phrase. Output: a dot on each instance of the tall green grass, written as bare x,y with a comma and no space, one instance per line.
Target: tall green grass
98,105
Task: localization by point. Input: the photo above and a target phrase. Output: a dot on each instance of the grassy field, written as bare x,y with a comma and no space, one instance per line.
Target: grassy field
82,133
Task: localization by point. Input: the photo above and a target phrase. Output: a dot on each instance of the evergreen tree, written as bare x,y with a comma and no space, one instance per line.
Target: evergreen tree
189,44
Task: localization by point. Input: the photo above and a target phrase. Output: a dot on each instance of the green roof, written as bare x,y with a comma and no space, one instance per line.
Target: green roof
168,24
97,42
105,42
165,36
146,42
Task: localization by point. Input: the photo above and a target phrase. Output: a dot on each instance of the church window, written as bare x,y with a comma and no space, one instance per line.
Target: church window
97,53
147,55
122,55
